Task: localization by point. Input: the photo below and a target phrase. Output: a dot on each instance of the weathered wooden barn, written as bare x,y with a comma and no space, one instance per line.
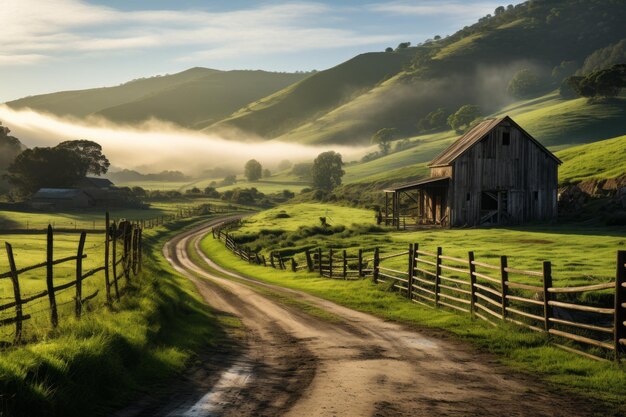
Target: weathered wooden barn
494,174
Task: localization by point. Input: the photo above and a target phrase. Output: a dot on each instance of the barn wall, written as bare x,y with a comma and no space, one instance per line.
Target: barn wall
521,168
441,171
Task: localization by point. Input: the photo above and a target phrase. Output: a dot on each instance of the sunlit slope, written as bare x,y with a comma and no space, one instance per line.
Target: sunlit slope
554,122
322,91
599,160
560,123
198,96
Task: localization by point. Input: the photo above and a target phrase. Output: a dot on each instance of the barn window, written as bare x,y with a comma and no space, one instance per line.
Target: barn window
536,194
506,138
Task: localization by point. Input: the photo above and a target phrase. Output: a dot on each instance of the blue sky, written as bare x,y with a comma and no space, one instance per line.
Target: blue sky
54,45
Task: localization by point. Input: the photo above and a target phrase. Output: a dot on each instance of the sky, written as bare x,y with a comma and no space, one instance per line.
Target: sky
56,45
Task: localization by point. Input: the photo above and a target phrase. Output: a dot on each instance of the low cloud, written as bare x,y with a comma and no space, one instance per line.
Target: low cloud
155,145
431,8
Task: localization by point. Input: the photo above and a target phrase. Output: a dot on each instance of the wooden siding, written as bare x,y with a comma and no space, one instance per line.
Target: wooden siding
522,170
441,171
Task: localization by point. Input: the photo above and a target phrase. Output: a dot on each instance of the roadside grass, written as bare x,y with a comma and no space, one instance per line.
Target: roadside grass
579,254
101,362
522,350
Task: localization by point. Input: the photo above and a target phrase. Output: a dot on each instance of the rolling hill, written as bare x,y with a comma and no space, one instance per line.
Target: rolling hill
198,96
473,66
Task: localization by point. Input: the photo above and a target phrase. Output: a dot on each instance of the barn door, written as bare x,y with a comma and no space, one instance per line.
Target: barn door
494,207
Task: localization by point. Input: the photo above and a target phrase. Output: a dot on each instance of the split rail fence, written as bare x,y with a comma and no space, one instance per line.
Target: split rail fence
489,291
122,258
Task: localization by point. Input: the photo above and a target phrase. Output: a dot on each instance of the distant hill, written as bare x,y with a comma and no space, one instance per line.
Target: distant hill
198,96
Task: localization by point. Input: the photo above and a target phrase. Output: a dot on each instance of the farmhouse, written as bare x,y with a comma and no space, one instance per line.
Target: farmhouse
494,174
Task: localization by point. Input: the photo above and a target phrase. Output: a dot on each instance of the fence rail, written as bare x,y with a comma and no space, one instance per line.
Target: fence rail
123,239
488,291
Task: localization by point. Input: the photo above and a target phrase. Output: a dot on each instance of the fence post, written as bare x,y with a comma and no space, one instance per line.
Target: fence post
16,292
472,269
437,274
107,280
330,263
79,274
114,265
309,261
281,261
360,263
264,261
547,283
135,250
54,316
345,265
375,266
319,260
125,264
410,270
504,277
140,250
620,305
272,260
293,265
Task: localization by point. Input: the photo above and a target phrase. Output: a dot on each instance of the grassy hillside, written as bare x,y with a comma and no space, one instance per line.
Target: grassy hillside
473,66
196,96
600,160
299,103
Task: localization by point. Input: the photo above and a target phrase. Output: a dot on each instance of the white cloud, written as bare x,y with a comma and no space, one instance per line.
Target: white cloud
428,8
34,30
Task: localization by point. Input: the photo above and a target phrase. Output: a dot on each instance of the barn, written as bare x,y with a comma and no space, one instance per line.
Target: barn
495,174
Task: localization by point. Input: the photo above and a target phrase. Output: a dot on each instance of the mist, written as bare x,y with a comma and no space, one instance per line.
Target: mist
154,146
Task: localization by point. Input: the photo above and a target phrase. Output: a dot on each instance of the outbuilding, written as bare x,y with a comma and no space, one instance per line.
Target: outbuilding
494,174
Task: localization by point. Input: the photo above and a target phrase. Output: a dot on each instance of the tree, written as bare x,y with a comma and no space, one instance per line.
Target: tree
89,153
267,173
302,170
138,191
327,170
524,84
604,83
435,120
229,180
499,10
462,119
45,167
403,45
253,170
211,192
383,138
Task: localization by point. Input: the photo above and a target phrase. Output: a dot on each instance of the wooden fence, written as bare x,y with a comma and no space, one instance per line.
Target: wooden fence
122,258
489,291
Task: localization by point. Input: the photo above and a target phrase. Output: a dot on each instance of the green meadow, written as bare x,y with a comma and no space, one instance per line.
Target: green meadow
579,254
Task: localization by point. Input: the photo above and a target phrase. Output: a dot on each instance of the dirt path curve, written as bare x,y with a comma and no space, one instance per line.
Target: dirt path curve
297,364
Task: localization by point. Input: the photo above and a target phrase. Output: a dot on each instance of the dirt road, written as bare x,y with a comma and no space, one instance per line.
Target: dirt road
297,364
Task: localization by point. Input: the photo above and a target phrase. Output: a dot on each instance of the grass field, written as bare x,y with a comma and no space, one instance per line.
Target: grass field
30,250
99,363
579,254
529,352
93,218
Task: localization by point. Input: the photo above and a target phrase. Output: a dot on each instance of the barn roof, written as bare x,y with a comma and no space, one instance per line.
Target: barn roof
417,184
95,182
474,135
57,193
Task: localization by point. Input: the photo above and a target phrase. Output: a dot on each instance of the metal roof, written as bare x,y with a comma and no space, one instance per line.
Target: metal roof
474,136
58,193
417,184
